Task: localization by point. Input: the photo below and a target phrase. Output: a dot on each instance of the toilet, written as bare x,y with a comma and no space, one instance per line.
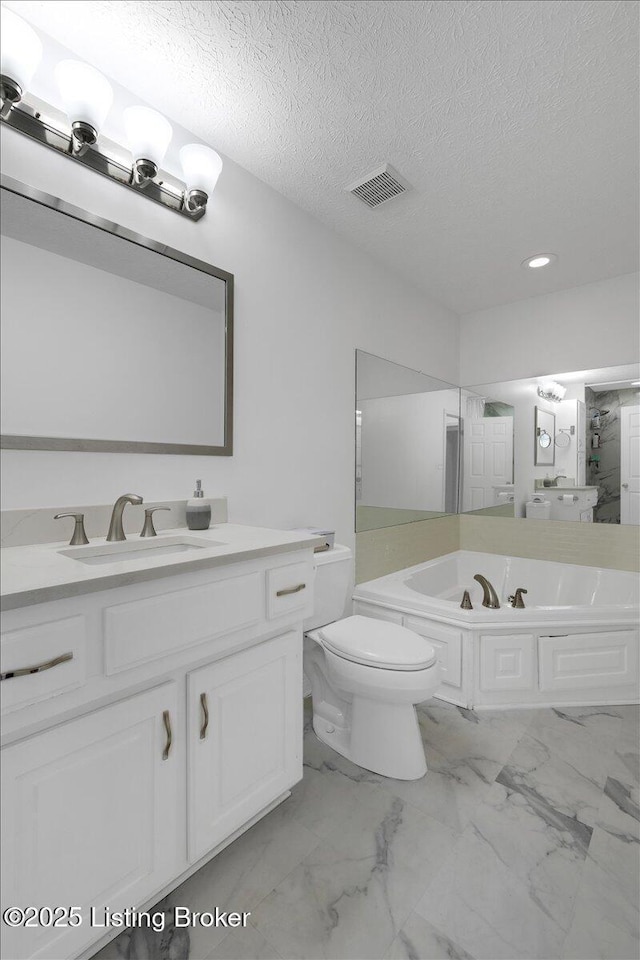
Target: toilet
366,676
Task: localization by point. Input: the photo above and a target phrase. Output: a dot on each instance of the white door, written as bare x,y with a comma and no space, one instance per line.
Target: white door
245,737
90,819
630,465
487,459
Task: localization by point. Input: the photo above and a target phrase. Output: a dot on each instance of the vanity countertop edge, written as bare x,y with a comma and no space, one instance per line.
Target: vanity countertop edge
39,573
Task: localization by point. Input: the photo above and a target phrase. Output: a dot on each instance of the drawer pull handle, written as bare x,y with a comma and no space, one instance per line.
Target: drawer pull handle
289,590
205,715
37,668
167,726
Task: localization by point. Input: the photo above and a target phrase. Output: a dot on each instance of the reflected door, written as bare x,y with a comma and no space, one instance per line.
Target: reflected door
630,465
487,459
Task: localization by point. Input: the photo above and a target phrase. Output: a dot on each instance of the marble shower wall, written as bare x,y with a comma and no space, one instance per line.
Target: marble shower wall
607,476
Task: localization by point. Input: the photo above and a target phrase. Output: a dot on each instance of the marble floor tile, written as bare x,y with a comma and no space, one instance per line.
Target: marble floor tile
460,734
480,903
245,943
337,906
619,812
536,767
581,736
606,921
419,940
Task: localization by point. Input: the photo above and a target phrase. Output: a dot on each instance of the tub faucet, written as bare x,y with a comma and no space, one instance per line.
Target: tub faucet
516,599
116,530
490,598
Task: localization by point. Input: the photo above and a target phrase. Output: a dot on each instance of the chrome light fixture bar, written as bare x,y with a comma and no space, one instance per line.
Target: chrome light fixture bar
87,97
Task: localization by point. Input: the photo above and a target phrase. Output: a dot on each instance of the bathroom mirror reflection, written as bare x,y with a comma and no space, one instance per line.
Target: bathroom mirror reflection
589,471
407,444
111,341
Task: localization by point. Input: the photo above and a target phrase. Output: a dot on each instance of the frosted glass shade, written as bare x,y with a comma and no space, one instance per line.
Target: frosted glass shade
148,133
201,167
86,94
21,49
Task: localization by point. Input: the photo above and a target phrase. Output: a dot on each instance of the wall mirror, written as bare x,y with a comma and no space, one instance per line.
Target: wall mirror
407,444
589,470
110,341
544,438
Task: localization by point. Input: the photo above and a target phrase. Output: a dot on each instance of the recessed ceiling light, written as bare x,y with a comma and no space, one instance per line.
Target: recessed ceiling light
540,260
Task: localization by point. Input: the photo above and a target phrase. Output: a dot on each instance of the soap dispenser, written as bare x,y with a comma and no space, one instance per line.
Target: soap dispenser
198,512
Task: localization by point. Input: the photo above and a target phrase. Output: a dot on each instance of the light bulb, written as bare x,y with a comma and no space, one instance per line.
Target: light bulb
201,167
148,134
538,261
87,95
20,54
21,49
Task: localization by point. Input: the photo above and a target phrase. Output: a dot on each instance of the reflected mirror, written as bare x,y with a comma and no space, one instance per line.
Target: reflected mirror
110,341
584,462
407,444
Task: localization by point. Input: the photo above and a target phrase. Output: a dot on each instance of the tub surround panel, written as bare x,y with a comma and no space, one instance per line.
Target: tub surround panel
379,552
593,545
18,528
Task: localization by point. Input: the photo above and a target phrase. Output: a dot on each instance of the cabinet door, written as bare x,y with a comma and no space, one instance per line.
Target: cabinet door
90,819
245,737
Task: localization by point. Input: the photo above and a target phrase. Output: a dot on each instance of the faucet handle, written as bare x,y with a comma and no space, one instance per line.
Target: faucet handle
79,537
148,529
516,599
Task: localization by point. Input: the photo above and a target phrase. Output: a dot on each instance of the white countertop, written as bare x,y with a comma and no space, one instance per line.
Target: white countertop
39,572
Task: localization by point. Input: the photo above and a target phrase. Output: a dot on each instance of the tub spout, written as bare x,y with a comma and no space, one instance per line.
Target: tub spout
490,598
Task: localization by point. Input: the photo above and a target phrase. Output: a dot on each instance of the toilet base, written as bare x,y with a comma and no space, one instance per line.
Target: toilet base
383,737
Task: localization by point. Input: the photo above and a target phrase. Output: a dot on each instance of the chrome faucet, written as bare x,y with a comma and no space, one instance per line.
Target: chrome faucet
490,598
116,530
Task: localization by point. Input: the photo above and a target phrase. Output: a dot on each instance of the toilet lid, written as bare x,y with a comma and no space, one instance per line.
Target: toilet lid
378,643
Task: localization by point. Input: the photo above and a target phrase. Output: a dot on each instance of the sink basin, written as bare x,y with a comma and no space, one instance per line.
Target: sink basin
138,549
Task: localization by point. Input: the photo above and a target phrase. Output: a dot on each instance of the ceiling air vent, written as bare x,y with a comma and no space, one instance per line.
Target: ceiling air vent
383,184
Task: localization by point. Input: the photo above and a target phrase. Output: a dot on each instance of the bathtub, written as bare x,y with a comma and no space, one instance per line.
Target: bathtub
576,642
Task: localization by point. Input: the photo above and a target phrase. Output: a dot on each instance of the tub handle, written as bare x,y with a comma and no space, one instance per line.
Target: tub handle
516,599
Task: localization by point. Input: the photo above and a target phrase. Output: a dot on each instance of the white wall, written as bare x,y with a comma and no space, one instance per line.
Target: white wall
304,301
595,325
403,449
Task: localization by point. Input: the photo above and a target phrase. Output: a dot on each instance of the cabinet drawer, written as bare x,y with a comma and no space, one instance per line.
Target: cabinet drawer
289,588
447,644
507,662
146,629
56,649
583,661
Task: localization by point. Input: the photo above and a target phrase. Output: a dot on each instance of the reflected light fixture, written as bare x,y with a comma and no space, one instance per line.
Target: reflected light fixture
550,390
86,97
21,52
538,261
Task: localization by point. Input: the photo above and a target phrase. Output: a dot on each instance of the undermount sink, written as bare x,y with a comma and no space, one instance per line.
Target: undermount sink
138,549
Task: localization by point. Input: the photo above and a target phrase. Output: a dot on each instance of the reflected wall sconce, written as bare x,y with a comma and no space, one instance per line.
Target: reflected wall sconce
87,98
550,390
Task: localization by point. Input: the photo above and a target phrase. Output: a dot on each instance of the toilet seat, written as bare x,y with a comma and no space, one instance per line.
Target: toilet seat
377,643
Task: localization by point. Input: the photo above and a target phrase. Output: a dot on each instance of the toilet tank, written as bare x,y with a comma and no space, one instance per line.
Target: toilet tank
332,586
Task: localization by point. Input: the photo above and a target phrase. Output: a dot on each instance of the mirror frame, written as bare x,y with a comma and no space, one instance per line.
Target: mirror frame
23,442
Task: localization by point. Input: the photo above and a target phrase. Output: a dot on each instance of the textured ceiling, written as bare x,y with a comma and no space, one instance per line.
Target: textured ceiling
515,122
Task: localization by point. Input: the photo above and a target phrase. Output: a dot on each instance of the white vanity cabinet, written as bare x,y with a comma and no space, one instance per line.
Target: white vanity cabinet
175,724
244,745
90,817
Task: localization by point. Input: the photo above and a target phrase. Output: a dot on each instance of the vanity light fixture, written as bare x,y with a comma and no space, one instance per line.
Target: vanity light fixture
201,167
87,96
149,136
550,390
21,52
539,260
